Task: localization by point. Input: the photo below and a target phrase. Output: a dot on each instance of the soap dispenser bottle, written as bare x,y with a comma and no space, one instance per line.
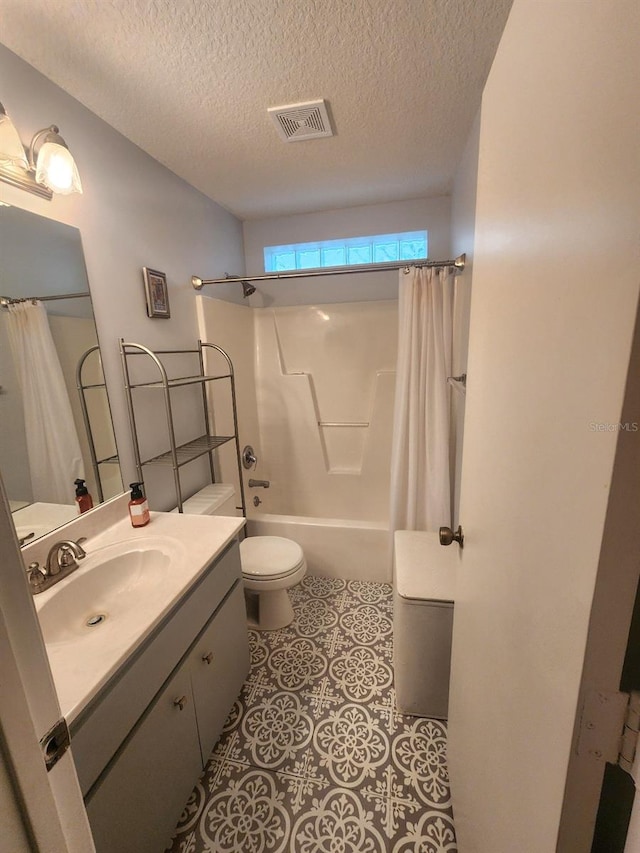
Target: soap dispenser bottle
138,506
83,498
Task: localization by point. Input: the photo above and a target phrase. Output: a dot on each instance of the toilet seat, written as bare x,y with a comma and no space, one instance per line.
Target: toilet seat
266,558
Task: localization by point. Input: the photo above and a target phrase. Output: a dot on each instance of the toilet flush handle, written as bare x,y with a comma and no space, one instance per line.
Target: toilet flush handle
447,536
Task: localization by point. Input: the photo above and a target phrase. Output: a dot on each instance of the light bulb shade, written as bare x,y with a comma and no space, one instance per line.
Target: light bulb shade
11,149
56,169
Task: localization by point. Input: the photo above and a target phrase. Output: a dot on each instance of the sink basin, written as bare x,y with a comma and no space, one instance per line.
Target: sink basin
114,589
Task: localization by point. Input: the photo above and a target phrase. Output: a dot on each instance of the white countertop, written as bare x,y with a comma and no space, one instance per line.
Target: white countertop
80,669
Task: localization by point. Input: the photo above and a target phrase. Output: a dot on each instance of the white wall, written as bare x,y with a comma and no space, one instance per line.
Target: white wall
133,213
430,213
555,292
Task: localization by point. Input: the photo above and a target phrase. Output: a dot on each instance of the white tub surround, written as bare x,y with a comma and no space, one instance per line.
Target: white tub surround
325,381
315,386
231,327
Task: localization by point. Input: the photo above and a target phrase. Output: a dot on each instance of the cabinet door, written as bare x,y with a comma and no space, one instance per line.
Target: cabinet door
219,663
135,805
103,727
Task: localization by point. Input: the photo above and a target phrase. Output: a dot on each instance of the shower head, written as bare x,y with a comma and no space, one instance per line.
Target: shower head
247,289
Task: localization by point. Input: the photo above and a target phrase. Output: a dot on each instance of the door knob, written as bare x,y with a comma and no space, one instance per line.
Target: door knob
447,536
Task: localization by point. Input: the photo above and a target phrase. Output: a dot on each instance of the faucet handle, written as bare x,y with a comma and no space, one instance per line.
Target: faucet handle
70,552
66,557
249,458
36,576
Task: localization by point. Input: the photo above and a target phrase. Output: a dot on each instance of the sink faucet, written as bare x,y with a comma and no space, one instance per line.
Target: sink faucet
63,557
61,561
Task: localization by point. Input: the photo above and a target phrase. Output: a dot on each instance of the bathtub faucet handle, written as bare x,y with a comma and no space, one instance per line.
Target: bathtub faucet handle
249,458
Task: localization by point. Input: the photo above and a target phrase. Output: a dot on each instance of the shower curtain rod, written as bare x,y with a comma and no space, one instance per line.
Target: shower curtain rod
458,264
5,301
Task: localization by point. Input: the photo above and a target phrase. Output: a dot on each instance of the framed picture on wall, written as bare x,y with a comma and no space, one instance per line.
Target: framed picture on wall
156,293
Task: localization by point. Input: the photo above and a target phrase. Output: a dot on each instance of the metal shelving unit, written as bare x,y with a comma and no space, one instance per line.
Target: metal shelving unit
179,455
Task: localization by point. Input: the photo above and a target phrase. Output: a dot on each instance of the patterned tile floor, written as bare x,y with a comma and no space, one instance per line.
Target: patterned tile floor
314,757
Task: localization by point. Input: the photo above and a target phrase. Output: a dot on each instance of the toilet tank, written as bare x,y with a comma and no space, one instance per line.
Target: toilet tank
215,499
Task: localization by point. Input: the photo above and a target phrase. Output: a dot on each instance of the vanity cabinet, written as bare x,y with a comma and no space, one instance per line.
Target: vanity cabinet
214,662
136,798
136,806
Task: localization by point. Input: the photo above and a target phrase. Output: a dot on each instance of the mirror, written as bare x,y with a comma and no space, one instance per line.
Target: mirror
44,258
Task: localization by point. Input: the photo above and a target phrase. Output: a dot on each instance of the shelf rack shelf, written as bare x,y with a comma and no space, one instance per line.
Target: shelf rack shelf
179,455
190,450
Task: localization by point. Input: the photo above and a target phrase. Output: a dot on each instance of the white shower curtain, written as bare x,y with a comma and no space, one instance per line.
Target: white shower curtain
420,467
55,459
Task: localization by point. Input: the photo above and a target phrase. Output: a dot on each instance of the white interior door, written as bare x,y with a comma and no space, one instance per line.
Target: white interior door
555,289
40,811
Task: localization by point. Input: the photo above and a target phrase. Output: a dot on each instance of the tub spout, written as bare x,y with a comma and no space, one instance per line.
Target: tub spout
255,484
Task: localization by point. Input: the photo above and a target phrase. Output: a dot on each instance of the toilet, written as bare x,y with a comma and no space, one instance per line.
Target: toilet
270,564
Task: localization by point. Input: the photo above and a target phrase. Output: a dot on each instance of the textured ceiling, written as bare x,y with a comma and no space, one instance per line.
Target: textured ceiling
189,81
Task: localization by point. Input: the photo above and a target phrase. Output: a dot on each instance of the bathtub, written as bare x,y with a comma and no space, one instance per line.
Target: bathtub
334,547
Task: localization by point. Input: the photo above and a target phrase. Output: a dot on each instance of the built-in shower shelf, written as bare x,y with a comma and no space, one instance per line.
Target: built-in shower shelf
190,450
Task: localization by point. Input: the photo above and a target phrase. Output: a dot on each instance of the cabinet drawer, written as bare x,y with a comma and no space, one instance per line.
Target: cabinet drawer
135,806
100,730
219,663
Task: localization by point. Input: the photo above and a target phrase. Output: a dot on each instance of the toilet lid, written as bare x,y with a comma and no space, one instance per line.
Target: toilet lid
269,556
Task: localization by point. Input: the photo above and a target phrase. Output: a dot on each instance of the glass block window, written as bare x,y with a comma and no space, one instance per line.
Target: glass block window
352,251
359,255
333,257
386,252
285,261
308,259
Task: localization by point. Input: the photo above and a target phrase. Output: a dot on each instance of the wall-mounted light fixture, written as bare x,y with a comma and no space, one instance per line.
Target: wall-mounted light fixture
49,167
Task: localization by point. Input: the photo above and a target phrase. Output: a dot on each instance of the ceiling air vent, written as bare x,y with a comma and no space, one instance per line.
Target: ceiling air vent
297,122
